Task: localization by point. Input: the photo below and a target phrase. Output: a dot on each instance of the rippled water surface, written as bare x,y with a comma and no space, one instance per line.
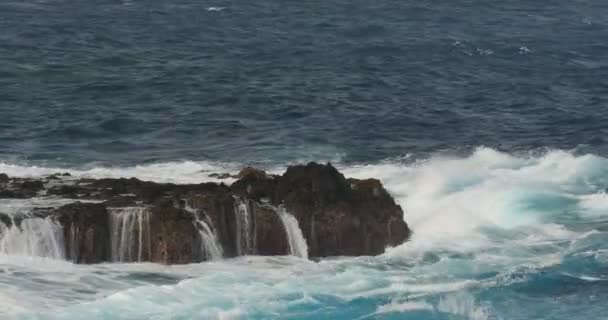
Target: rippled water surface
486,120
123,82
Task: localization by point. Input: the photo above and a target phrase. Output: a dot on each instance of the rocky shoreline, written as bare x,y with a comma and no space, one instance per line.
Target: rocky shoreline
311,210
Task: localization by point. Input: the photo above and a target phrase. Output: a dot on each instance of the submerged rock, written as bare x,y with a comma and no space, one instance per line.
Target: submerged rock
137,221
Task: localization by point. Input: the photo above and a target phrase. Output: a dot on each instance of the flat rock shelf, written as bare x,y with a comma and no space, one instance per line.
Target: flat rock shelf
310,211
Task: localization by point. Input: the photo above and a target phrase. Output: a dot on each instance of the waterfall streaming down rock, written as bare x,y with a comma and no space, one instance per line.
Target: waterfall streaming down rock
32,236
73,252
297,243
130,234
210,247
244,227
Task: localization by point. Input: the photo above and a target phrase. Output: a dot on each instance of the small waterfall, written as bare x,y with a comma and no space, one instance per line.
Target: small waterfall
130,234
210,247
243,227
34,237
297,243
73,243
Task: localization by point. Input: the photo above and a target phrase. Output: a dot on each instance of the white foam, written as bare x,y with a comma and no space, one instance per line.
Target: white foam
463,304
594,204
400,307
451,201
170,172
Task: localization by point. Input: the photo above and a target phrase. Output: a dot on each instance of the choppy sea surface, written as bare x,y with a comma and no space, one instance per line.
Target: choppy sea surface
486,120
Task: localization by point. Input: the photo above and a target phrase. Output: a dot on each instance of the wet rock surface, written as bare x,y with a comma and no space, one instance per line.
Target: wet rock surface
129,220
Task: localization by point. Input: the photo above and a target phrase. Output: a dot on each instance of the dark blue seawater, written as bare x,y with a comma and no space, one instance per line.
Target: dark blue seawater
486,120
126,82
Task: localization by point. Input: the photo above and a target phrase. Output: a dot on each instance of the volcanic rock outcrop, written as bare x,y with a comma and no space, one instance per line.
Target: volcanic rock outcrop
311,210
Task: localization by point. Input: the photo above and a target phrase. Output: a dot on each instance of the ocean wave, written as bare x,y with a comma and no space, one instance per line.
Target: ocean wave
520,223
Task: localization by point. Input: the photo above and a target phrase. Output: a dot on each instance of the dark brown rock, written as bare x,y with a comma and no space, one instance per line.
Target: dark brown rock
222,176
32,185
218,208
69,191
11,194
121,201
270,234
173,235
4,178
341,217
6,220
86,231
337,216
250,172
256,185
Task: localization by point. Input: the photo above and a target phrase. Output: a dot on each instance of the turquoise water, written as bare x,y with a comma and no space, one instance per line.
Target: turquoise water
496,236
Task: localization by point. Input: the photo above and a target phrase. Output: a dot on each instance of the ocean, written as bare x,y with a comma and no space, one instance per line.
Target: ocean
485,120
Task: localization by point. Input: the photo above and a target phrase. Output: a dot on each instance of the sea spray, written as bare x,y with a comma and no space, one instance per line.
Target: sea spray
462,304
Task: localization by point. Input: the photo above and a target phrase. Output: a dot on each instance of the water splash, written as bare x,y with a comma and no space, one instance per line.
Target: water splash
462,304
297,242
33,237
130,234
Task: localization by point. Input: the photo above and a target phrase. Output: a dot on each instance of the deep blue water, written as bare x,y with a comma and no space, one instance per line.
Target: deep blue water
486,120
125,82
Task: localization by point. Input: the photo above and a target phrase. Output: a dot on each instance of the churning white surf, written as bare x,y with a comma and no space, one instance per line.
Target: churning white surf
488,227
445,198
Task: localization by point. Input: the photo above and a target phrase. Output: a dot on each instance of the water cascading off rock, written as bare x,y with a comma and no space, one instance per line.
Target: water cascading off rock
130,234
